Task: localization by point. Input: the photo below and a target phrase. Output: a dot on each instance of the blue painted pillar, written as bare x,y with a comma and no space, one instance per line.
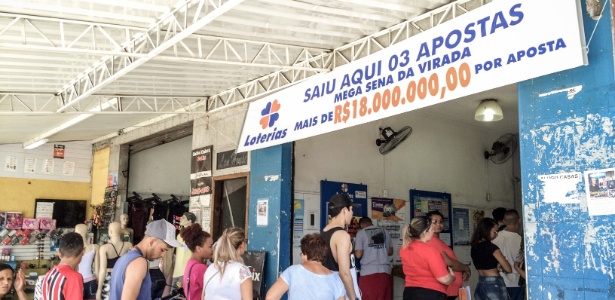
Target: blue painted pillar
271,179
570,255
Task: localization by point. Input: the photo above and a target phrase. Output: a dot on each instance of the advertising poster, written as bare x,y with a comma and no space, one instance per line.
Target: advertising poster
422,202
262,212
58,151
461,226
497,44
388,209
356,192
48,166
255,261
600,190
200,175
298,222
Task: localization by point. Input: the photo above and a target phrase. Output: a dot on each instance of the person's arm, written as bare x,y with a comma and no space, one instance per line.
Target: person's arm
519,270
246,289
133,278
359,245
448,278
343,247
277,290
454,264
389,242
502,260
20,282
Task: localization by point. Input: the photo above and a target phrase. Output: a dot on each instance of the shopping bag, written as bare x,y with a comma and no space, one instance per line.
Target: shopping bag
464,293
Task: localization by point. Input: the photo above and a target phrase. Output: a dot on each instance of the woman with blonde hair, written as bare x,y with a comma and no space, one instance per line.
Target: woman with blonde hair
427,274
229,278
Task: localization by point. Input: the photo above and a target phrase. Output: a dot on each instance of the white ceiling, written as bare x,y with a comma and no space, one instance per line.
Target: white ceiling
116,64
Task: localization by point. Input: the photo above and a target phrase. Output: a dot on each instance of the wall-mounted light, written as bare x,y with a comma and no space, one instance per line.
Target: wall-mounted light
34,144
488,110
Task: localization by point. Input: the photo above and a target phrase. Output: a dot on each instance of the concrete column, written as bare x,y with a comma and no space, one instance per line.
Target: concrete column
569,253
271,179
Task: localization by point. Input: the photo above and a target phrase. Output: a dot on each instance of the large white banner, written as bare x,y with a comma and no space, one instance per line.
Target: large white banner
495,45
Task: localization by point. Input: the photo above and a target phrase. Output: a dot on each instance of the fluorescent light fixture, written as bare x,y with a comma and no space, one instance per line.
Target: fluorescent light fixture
35,144
41,139
488,110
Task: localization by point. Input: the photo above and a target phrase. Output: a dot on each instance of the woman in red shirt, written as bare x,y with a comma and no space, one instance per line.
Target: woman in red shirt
200,244
427,274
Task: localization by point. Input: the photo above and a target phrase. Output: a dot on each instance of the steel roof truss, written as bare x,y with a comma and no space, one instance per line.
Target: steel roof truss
347,53
71,95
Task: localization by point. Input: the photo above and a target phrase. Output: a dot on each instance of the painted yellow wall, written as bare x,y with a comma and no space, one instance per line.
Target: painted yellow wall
100,173
19,195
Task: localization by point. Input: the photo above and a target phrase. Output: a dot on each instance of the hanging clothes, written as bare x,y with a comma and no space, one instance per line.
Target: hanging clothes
138,213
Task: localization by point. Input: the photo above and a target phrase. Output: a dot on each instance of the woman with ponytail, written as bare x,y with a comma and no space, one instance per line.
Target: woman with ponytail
228,277
199,242
427,274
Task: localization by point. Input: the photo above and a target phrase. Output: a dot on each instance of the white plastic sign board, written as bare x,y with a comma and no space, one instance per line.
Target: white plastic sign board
500,43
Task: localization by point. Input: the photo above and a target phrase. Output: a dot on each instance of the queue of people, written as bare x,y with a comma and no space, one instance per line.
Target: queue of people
327,271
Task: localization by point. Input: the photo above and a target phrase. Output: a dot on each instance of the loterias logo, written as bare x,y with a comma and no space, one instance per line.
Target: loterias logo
270,115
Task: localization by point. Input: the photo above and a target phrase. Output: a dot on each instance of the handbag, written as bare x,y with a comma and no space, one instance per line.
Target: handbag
464,293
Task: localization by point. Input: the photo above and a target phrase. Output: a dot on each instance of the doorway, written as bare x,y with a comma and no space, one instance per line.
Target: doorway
230,203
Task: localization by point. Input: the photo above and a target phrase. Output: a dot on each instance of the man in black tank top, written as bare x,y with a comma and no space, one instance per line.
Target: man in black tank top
339,251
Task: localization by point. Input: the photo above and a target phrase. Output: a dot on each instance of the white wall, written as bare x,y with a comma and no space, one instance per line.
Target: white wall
440,155
79,153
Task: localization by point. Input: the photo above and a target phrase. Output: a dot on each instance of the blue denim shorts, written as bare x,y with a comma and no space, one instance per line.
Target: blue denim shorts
491,288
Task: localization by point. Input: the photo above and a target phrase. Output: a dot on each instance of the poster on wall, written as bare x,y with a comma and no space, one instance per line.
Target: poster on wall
388,209
68,168
262,212
200,176
48,166
600,190
298,222
461,226
30,165
10,164
356,192
422,202
58,151
561,188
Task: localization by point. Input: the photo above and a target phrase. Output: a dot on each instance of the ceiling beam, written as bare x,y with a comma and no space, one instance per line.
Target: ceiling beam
29,104
23,32
345,54
170,30
271,83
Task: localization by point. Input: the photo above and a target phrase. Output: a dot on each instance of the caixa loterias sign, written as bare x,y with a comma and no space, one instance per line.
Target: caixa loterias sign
500,43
